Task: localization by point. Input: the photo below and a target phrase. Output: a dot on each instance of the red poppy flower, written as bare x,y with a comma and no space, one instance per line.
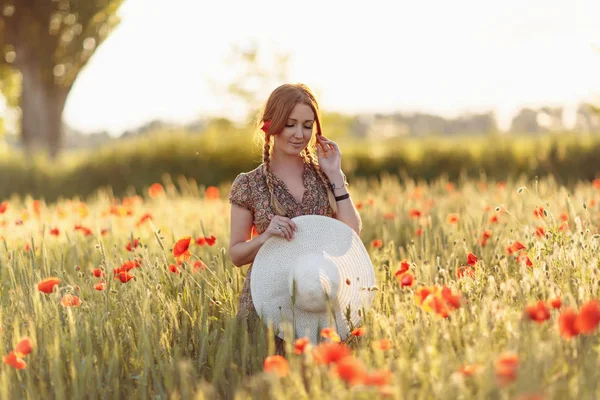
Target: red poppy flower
199,265
414,213
69,300
435,304
330,333
24,346
465,271
555,302
381,377
14,360
125,276
144,218
404,266
86,231
155,190
3,207
181,249
524,257
131,246
266,126
564,217
54,232
126,267
589,317
539,212
300,345
211,193
277,364
506,368
173,268
538,312
540,232
453,300
351,370
407,280
47,285
359,331
472,259
330,352
377,243
211,240
567,323
421,294
513,248
452,218
100,286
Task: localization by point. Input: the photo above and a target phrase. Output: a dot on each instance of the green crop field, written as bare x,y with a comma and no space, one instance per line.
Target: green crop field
485,289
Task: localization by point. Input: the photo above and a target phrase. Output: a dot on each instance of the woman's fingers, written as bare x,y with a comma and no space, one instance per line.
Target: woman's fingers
287,227
326,143
287,231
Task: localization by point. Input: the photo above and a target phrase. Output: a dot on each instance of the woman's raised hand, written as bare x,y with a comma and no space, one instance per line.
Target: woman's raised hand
282,227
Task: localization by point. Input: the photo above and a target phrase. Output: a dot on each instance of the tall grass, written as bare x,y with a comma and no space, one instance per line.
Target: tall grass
170,335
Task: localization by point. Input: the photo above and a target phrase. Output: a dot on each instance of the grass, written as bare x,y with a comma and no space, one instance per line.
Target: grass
174,335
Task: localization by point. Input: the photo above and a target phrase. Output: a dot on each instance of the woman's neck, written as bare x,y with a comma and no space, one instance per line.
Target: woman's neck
282,164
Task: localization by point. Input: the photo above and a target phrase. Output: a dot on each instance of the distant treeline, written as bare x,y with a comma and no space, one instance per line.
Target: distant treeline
528,121
215,159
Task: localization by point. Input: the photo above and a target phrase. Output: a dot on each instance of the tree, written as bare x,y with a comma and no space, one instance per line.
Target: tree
253,80
47,43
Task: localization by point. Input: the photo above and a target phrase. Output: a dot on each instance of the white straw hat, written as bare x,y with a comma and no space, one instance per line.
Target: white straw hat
326,260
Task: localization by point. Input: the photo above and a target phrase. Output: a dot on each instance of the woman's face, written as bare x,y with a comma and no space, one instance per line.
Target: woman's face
297,132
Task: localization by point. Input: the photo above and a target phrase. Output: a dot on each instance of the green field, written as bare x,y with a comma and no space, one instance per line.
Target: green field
216,156
170,331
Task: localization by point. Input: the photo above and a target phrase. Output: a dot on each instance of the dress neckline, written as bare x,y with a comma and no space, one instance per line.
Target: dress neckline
304,183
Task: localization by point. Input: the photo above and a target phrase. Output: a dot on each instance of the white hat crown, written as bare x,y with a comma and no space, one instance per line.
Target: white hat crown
313,280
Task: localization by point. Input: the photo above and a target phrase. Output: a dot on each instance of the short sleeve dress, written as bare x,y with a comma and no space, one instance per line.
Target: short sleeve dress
249,190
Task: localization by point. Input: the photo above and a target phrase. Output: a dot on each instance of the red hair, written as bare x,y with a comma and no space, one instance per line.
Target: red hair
278,108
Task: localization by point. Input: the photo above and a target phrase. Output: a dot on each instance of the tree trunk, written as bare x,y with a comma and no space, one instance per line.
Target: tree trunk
42,104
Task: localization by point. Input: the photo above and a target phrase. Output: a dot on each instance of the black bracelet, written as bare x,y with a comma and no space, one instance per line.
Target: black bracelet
342,197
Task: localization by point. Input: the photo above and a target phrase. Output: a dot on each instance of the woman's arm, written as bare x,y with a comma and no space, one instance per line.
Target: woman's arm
330,160
243,249
346,211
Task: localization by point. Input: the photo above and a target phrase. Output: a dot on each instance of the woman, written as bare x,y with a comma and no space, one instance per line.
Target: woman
288,183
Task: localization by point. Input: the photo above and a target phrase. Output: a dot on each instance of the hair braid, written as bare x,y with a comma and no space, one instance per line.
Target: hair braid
308,156
277,207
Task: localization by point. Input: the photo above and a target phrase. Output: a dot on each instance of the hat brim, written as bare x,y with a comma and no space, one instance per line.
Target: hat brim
273,262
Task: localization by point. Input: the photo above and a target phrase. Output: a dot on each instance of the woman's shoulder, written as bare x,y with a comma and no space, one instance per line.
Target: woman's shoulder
255,176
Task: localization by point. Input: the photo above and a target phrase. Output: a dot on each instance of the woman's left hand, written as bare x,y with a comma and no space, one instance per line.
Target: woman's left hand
329,154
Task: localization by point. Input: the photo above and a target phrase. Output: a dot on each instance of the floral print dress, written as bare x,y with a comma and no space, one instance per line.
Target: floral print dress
249,190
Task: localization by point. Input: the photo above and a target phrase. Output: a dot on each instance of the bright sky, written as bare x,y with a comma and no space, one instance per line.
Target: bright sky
436,56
